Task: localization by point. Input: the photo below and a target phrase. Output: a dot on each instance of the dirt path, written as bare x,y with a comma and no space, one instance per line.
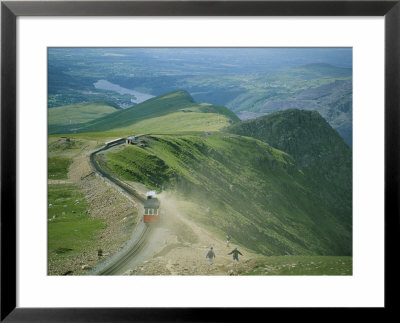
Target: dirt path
177,246
184,245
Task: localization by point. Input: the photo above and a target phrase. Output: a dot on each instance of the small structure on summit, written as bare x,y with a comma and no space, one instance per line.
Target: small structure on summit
130,140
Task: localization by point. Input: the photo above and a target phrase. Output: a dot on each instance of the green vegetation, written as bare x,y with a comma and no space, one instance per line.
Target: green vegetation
302,266
155,107
317,149
58,146
58,167
77,139
70,229
173,122
171,112
144,167
243,186
79,113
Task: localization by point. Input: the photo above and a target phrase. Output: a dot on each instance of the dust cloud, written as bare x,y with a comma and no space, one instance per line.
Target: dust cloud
182,243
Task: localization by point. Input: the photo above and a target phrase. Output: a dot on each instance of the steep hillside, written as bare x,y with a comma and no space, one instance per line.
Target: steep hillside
154,115
317,149
241,186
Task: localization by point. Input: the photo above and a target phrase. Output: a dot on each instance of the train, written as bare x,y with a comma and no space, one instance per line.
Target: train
151,204
151,208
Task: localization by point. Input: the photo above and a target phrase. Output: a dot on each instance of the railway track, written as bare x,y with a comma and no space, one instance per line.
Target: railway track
125,257
114,180
116,263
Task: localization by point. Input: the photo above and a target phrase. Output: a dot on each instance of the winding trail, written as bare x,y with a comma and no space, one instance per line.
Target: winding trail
132,248
175,246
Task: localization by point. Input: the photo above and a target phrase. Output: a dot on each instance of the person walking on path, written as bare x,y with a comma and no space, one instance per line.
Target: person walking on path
235,252
228,240
210,255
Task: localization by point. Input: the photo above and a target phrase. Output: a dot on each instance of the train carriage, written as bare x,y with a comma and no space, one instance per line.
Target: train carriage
151,208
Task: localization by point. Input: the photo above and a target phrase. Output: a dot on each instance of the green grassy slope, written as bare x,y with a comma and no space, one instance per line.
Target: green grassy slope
76,114
177,122
160,107
243,186
145,167
57,167
70,229
302,265
317,149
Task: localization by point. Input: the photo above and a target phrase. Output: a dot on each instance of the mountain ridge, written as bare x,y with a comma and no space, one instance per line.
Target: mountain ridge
315,146
269,200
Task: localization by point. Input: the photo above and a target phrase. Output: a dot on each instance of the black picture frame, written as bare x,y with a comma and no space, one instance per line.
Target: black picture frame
10,10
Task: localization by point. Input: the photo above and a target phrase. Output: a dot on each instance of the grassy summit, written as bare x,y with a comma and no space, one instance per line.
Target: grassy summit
172,112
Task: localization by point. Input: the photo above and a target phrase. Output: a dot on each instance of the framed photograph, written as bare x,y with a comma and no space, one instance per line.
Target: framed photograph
208,157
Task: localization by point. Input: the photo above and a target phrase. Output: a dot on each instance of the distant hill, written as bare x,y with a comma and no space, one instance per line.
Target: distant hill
68,116
175,111
333,101
317,70
271,200
321,87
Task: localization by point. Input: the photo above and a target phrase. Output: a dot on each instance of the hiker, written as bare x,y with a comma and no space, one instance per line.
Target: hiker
235,252
210,255
228,240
